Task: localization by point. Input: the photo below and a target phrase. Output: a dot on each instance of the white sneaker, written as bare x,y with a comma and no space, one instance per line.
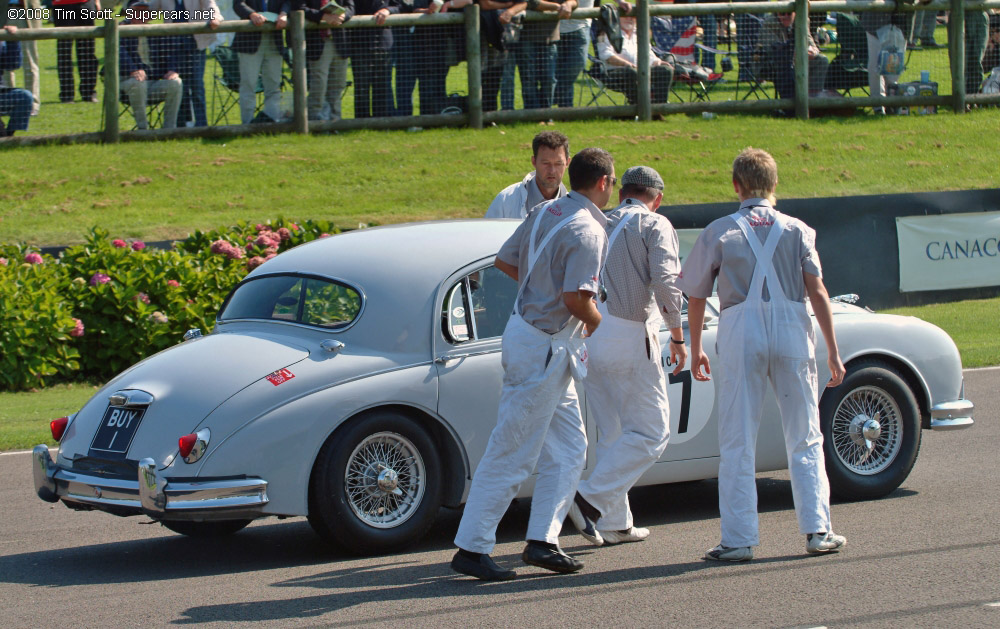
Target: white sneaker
585,526
727,553
821,543
623,537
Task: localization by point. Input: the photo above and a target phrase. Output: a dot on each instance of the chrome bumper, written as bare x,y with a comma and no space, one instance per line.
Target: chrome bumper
952,415
151,494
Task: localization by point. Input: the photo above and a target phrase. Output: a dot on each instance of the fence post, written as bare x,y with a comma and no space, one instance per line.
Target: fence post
642,61
111,83
956,51
474,66
801,52
299,96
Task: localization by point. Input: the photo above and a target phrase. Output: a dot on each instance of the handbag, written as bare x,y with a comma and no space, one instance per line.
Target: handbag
891,60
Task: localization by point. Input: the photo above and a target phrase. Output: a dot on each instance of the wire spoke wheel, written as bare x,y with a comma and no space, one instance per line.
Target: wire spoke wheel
385,480
867,430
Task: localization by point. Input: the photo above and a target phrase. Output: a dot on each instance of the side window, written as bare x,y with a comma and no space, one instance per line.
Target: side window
478,306
493,295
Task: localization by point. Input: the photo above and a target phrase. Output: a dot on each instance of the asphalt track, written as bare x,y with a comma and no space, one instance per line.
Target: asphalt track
928,555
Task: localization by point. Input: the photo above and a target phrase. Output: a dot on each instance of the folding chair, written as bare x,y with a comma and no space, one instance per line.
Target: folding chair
154,108
226,87
849,68
747,33
678,36
594,84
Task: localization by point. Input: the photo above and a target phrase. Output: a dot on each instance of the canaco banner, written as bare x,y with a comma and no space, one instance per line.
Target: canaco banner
948,251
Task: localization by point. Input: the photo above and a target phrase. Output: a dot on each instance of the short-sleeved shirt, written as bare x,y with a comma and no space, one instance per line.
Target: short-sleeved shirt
642,268
570,261
722,252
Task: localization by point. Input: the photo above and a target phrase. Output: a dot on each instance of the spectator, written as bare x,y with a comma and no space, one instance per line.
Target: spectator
535,53
872,21
14,102
776,44
924,23
549,156
29,51
370,49
496,20
622,75
191,53
153,76
326,57
421,57
571,54
76,13
977,29
991,56
260,55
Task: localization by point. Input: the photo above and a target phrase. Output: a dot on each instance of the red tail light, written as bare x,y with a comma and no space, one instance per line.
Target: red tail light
58,427
186,443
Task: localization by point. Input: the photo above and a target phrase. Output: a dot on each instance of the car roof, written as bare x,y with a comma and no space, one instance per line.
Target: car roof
426,251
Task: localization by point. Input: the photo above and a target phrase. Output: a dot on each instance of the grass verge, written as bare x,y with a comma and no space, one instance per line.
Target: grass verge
24,417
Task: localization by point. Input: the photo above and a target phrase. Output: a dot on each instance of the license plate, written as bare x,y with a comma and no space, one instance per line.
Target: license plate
116,431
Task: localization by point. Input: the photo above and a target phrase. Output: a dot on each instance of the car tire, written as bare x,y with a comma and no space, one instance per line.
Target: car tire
870,390
351,502
220,528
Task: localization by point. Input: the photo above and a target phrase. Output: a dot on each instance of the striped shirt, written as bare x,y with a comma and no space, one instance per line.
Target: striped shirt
643,266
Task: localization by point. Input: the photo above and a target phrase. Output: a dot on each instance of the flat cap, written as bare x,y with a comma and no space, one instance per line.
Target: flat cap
643,176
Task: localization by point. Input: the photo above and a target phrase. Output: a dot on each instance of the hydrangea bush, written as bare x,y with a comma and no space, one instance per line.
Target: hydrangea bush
109,303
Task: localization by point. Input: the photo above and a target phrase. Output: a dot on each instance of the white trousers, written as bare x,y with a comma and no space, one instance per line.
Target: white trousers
265,63
752,350
141,93
627,393
538,422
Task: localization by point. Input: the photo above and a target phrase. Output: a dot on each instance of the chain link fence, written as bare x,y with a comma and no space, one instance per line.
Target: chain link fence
158,68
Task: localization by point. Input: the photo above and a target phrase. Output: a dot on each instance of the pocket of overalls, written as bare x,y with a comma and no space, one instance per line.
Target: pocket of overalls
793,328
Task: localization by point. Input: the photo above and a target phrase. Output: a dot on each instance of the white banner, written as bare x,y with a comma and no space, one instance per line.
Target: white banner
948,251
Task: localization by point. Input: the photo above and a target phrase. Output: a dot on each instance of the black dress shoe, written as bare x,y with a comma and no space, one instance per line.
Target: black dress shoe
551,559
484,568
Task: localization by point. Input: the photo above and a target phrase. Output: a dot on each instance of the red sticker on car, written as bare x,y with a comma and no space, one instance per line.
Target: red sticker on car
280,376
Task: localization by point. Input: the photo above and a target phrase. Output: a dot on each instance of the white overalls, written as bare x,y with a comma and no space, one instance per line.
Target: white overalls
538,421
758,339
627,393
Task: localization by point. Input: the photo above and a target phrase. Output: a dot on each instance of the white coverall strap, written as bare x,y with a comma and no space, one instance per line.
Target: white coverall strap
535,252
614,235
764,254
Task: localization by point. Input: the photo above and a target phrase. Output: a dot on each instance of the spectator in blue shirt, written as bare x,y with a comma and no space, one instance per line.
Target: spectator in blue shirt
14,102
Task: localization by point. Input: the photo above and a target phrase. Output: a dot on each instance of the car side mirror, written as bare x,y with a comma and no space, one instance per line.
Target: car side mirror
709,318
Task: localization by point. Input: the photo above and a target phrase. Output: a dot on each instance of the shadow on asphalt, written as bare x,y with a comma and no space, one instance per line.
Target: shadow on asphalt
285,544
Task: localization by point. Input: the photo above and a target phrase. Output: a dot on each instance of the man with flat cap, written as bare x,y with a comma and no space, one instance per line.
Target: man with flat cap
625,383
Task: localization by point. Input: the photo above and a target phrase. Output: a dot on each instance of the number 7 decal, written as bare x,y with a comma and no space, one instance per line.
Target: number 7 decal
684,378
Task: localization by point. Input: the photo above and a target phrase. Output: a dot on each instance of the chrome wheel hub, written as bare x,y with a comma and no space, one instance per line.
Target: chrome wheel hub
385,480
867,430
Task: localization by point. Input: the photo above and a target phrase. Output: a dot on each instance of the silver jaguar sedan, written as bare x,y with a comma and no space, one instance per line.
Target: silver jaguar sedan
355,380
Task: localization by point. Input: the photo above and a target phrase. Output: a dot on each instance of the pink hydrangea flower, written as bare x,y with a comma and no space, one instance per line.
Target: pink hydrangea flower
99,278
271,251
3,261
33,258
119,243
227,249
254,262
138,245
158,317
284,233
77,330
324,235
294,226
143,297
262,228
269,256
173,283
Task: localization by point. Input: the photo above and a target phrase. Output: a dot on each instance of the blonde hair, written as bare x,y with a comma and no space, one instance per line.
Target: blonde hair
756,172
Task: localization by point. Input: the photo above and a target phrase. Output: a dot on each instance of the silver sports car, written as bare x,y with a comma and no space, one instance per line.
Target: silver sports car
355,379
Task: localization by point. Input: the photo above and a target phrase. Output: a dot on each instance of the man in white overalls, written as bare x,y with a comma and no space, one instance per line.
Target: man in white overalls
626,388
766,265
555,255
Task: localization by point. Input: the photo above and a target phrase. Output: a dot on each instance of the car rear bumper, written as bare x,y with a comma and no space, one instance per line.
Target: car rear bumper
151,493
952,415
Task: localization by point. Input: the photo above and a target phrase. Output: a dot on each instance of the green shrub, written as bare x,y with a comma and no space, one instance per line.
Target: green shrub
106,304
36,320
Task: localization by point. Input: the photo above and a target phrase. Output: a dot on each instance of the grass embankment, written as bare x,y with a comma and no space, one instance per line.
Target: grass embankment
54,194
24,417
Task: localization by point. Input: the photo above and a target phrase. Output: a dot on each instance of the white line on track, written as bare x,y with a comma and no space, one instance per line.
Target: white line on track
982,368
992,604
23,452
